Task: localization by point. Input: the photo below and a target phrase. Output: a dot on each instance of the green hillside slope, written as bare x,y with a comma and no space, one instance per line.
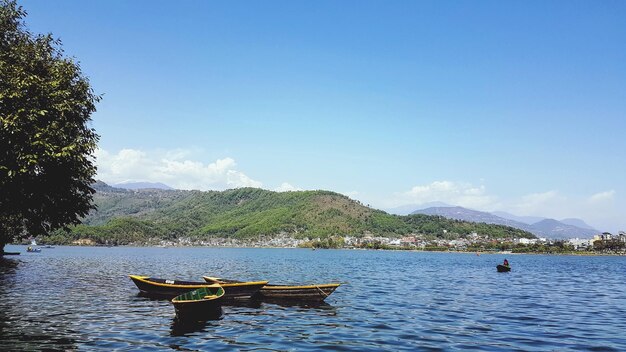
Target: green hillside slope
125,216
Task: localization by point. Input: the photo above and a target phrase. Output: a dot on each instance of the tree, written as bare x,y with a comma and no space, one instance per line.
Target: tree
46,145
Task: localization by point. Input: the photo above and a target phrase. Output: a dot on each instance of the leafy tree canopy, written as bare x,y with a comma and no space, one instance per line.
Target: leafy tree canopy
46,145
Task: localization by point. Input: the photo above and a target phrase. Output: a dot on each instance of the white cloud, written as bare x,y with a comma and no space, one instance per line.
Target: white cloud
171,168
602,197
286,187
454,193
538,203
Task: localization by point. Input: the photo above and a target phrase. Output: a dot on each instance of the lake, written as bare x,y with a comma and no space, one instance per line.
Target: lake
80,298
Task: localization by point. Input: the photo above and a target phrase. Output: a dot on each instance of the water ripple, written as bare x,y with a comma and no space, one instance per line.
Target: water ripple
71,298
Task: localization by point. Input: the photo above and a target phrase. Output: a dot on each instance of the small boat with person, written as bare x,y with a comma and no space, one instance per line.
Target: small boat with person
204,303
33,249
504,267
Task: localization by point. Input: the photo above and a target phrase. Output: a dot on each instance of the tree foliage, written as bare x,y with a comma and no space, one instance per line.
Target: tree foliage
46,145
612,245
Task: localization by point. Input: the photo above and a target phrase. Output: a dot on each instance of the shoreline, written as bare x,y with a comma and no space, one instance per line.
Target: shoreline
479,253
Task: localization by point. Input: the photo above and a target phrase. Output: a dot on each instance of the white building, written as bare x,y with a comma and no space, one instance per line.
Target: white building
526,240
580,243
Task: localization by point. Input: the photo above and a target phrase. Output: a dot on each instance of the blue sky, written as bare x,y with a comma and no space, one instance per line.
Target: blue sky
492,105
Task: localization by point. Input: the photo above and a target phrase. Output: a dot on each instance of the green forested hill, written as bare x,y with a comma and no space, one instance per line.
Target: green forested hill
125,216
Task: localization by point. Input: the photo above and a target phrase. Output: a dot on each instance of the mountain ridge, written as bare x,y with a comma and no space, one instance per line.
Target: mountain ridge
135,216
545,227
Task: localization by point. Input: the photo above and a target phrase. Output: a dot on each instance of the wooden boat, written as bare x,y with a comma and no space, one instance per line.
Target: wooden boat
165,288
171,288
204,303
287,292
10,253
237,289
503,268
304,293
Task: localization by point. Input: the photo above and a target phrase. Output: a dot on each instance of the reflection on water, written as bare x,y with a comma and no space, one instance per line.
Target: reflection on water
181,327
71,298
255,303
296,304
6,264
185,322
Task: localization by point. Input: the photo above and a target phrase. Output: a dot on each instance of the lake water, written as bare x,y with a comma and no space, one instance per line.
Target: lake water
79,298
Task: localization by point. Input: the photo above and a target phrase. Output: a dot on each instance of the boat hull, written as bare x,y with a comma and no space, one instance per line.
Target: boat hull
164,288
315,293
503,269
201,311
9,253
202,304
172,288
238,289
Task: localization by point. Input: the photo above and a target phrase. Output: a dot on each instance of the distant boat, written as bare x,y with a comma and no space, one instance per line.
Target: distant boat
203,303
48,246
503,268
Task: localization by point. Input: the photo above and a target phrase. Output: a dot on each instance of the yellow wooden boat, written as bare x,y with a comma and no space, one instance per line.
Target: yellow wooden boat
171,288
204,303
315,292
163,287
237,289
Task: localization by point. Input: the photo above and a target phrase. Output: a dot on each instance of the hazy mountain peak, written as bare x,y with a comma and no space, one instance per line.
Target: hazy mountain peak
410,208
544,227
578,223
525,219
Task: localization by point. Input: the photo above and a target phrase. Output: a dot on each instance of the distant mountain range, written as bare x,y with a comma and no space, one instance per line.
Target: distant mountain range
409,208
541,227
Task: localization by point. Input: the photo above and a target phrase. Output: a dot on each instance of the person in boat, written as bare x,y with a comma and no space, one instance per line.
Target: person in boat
506,262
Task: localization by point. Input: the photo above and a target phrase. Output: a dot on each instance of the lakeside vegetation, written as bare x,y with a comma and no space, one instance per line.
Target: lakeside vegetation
560,247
